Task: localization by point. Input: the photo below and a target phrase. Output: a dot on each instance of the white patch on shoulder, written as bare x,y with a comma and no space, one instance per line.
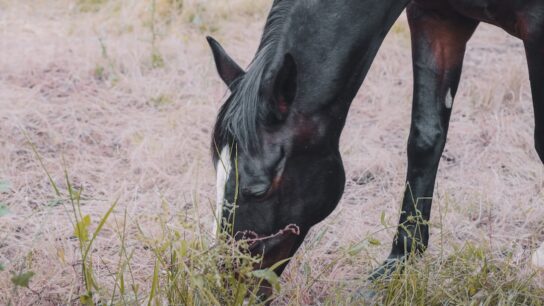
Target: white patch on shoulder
223,171
449,99
538,258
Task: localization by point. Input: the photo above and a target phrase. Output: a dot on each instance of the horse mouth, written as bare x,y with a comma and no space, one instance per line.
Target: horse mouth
272,248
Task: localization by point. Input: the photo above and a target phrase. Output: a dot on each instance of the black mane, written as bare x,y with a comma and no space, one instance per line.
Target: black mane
237,121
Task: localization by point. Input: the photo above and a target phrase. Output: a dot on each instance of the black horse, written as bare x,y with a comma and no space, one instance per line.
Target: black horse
276,138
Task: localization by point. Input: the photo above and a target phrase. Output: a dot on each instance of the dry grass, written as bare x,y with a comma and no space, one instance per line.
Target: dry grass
125,103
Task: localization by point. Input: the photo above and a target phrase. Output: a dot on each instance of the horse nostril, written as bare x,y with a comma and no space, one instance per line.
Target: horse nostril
255,191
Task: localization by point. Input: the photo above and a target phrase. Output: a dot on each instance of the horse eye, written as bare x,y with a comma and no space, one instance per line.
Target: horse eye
261,190
272,121
256,192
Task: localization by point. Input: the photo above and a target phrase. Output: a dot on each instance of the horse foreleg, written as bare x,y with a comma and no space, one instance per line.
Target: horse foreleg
534,48
438,46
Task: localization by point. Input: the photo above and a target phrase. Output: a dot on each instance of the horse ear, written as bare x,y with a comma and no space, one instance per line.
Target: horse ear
285,87
227,68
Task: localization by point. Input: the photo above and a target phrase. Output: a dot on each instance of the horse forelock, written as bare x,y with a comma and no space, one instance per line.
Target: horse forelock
239,117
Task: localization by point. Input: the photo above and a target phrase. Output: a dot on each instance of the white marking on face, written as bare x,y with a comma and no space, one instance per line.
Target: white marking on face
223,171
449,99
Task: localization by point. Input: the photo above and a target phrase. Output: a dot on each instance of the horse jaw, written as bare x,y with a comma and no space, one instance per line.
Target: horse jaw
223,168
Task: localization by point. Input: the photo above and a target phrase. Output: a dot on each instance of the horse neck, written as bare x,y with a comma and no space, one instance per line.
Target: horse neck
345,36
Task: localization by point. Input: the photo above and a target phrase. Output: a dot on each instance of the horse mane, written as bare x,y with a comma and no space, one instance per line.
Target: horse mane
238,118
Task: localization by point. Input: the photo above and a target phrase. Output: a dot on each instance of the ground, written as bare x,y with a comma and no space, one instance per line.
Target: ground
122,95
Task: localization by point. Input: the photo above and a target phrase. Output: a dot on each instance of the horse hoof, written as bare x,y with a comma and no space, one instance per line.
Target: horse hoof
385,271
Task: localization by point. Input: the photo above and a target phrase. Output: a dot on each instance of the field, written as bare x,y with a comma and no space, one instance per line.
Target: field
110,103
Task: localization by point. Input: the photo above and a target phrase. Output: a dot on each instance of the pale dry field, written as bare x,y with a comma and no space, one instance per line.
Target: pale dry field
80,82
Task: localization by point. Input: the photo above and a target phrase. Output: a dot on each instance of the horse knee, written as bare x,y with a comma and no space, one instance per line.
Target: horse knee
426,142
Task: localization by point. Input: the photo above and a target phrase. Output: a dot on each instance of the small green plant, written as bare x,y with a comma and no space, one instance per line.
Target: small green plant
188,269
89,6
471,275
4,210
100,72
22,277
160,101
157,61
